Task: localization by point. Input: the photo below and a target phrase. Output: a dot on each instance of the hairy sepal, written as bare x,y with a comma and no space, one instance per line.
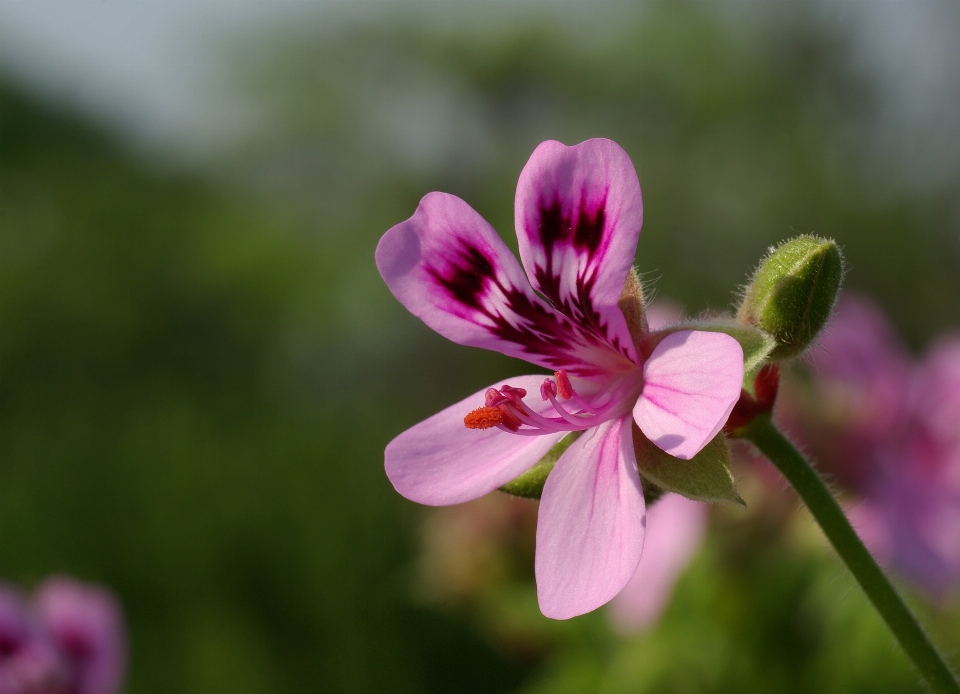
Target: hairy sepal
705,477
633,307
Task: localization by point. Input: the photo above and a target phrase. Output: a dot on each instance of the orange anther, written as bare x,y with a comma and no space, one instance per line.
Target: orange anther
564,389
483,418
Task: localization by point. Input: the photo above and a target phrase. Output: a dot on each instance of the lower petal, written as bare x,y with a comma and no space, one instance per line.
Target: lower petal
440,462
692,380
590,526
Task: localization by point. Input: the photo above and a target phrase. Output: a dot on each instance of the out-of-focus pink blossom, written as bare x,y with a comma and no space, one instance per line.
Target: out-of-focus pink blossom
29,662
85,623
677,526
937,400
888,428
862,374
910,521
67,640
470,548
663,312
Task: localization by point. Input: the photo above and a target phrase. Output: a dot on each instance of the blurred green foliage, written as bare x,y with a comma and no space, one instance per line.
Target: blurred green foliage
199,371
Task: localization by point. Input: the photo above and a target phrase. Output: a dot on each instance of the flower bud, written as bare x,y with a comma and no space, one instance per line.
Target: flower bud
793,292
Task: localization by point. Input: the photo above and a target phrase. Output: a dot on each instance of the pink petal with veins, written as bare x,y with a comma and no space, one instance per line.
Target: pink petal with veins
578,216
692,380
590,526
449,268
439,461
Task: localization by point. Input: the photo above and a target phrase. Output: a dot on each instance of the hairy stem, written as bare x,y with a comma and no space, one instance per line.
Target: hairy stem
777,448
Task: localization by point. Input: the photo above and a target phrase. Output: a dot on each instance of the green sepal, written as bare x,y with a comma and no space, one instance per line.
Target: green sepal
651,493
792,293
757,345
529,485
705,477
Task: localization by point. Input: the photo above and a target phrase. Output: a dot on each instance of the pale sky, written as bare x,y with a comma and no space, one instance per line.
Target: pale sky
150,67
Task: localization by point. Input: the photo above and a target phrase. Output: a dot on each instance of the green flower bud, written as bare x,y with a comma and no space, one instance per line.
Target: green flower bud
793,292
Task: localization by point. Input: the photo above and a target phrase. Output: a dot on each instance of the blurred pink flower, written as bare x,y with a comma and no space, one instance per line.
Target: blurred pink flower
578,215
67,640
85,623
887,427
916,491
29,662
677,526
937,399
663,312
862,377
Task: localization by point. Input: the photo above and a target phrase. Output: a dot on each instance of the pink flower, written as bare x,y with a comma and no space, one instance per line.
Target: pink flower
862,376
886,425
85,623
578,216
677,527
29,661
917,491
937,394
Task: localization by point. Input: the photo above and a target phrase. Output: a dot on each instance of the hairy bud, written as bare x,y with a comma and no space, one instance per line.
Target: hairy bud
792,293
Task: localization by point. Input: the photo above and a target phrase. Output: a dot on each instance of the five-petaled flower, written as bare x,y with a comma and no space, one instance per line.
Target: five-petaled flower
578,216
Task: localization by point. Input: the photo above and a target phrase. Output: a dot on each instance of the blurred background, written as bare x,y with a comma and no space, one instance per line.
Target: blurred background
200,366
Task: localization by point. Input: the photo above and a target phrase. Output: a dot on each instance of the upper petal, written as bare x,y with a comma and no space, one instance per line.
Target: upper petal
692,380
578,216
439,461
449,268
590,526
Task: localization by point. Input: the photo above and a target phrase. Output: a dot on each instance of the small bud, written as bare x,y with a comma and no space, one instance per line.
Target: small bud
793,292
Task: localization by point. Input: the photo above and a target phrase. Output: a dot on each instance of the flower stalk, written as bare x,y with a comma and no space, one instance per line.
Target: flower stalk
762,432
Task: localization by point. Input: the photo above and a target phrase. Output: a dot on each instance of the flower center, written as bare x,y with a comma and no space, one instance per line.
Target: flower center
504,408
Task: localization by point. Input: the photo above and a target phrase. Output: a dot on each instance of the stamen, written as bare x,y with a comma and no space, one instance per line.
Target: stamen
532,419
578,422
585,407
564,387
483,418
509,419
506,410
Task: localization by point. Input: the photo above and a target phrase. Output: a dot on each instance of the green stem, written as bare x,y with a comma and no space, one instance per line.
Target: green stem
827,512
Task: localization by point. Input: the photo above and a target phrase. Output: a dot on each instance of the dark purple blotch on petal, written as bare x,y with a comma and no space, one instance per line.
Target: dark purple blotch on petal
589,230
471,276
467,281
583,233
